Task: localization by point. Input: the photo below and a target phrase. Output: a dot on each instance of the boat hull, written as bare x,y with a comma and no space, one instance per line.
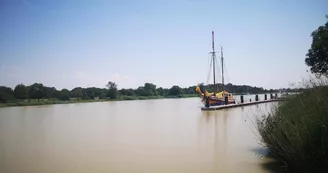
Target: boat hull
217,101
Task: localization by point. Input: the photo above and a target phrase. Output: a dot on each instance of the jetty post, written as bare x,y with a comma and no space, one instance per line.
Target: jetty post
256,97
242,99
265,97
271,96
226,100
207,102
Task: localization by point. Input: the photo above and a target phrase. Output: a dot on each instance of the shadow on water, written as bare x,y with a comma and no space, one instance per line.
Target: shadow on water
215,123
270,164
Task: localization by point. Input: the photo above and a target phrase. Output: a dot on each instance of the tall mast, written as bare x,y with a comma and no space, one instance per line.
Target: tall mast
213,59
222,67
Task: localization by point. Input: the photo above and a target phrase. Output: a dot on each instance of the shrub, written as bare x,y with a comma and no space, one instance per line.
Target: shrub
296,132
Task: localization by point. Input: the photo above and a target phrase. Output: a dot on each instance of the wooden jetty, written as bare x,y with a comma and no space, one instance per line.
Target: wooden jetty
238,105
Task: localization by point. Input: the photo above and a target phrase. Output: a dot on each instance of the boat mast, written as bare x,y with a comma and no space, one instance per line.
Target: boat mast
213,59
222,67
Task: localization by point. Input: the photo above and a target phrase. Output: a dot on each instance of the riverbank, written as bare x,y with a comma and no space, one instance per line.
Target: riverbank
34,102
296,132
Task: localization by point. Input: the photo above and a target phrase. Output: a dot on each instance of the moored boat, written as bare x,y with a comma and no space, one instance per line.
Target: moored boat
215,98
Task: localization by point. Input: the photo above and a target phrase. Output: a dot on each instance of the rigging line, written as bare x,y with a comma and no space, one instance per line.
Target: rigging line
218,76
209,62
225,68
220,72
218,67
209,73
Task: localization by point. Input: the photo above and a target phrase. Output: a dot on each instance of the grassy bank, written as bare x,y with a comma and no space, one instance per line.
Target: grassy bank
296,132
32,102
45,102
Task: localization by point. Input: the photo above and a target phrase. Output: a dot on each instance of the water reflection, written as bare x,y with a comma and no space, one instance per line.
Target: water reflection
233,132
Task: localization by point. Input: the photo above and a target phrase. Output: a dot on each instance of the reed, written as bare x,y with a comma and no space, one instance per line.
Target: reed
296,131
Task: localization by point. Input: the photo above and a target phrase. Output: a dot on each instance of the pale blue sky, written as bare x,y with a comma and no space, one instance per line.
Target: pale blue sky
69,43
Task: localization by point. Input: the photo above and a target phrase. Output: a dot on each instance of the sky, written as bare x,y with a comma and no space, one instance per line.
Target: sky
71,43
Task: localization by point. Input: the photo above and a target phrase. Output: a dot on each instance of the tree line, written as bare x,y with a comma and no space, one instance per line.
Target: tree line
38,91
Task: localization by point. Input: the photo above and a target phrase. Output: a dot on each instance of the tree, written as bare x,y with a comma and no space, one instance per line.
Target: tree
175,90
50,92
77,92
21,91
111,84
103,93
64,94
91,92
191,90
317,56
150,89
140,91
97,92
112,92
160,91
127,92
6,94
36,91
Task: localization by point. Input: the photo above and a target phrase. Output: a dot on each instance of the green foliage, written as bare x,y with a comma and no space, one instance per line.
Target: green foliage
163,91
90,93
111,84
77,93
64,94
49,92
127,92
21,91
6,94
126,97
112,93
160,91
240,89
36,91
46,102
112,90
175,90
141,91
150,89
296,133
317,56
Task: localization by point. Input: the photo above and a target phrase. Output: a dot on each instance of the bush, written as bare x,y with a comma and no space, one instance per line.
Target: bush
296,133
124,97
5,97
142,98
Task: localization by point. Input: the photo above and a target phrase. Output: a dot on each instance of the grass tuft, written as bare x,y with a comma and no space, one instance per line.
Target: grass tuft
296,131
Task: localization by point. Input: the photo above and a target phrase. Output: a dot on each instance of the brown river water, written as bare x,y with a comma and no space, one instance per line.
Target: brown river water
148,136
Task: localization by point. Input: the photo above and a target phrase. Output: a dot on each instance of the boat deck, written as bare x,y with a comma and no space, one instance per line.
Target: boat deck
212,108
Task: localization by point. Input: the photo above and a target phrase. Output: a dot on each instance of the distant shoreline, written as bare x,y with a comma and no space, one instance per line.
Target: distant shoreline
34,102
39,94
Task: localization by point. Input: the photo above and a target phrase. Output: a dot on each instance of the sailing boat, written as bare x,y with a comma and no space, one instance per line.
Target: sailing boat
215,98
